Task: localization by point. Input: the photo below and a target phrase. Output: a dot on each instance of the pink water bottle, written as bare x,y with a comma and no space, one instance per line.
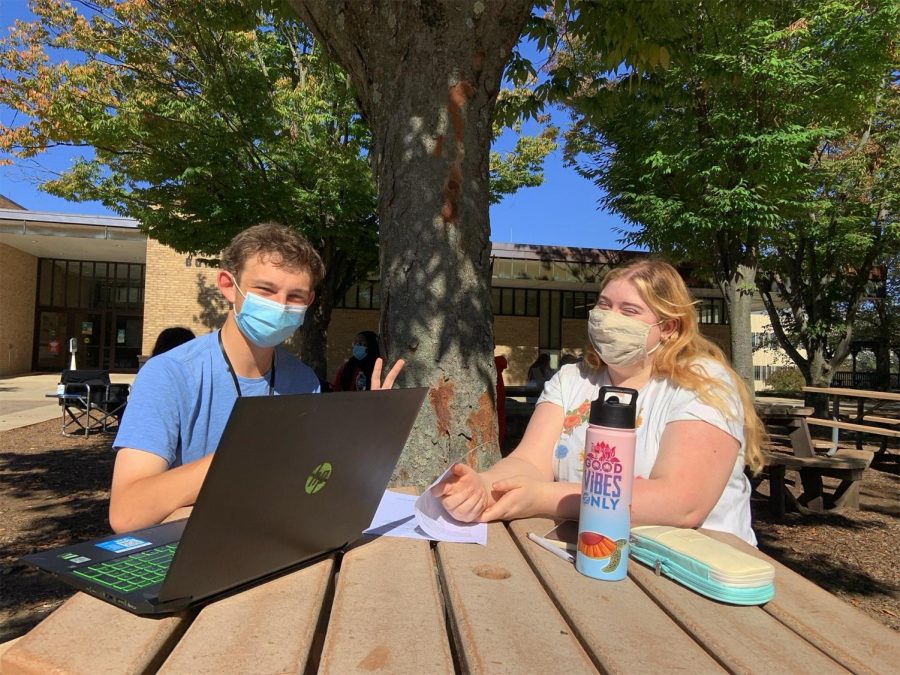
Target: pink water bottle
605,519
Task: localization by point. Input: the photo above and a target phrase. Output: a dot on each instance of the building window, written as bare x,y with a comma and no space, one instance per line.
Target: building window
711,311
514,301
361,296
577,304
763,373
86,284
757,340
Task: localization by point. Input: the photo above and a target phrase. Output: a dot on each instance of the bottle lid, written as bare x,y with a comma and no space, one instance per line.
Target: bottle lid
615,407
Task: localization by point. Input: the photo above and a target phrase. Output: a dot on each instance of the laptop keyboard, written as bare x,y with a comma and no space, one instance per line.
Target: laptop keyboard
133,572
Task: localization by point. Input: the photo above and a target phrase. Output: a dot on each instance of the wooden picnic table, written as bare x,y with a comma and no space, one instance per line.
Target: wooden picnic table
788,423
865,421
409,606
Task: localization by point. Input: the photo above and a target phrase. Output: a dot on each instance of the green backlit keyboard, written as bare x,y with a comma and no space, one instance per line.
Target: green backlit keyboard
132,572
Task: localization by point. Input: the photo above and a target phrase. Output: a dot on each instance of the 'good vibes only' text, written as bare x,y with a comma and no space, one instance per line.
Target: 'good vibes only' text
601,485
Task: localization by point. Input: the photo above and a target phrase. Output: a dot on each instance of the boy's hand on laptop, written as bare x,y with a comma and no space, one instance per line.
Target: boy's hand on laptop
389,378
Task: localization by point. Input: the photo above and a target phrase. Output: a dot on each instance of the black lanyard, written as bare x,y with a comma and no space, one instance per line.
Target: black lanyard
237,384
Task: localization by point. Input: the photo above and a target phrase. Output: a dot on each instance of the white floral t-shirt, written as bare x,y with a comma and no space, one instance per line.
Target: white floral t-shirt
574,387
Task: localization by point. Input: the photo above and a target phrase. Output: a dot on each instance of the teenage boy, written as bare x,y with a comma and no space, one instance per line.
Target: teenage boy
181,399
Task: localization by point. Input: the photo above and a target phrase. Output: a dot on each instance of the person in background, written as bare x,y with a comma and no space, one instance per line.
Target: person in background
356,372
181,399
696,424
169,338
568,358
540,371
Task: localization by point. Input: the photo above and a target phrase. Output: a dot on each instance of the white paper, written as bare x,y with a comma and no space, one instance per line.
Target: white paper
401,515
395,517
440,525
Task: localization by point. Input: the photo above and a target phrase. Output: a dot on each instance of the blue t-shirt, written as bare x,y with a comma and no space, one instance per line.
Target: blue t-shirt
181,399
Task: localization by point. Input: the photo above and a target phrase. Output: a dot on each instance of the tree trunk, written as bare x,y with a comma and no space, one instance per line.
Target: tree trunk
427,76
883,351
310,343
820,374
738,292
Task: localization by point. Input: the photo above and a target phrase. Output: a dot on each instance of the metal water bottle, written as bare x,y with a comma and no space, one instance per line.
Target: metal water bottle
605,518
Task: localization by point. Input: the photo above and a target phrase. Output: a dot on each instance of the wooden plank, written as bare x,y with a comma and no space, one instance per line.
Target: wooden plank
269,628
388,613
69,641
743,639
88,636
6,645
779,410
838,629
865,456
502,619
854,393
599,610
876,419
849,426
825,463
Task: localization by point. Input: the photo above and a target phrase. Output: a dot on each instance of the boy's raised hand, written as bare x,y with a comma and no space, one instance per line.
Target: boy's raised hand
389,378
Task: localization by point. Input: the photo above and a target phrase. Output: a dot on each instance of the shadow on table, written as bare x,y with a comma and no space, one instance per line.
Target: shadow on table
49,498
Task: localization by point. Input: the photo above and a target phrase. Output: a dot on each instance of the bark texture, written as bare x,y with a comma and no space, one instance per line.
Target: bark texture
739,301
427,75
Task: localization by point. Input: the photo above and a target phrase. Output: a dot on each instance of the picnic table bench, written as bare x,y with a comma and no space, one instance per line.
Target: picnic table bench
789,425
409,606
864,421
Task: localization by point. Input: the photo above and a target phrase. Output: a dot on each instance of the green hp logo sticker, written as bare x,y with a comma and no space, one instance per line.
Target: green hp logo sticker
318,478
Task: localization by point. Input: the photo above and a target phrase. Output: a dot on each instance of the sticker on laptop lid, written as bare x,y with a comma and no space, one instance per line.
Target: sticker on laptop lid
123,544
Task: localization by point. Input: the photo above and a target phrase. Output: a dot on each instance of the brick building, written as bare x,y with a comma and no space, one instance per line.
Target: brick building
101,281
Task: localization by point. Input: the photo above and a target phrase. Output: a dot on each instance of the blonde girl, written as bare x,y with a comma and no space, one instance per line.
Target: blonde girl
696,426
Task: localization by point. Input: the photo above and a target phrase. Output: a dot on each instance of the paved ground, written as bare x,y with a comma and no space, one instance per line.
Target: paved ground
23,399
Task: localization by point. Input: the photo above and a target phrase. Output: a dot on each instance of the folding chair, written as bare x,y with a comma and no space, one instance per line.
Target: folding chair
90,402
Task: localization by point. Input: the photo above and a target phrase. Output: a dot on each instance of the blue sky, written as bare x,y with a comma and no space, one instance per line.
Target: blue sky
561,212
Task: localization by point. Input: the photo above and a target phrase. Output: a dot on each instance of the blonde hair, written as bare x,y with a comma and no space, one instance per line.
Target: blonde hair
676,359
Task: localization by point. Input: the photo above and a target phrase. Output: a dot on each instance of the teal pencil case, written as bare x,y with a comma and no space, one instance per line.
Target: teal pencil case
703,564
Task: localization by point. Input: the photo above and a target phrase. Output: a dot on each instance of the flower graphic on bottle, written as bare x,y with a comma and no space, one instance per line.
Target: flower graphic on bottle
603,452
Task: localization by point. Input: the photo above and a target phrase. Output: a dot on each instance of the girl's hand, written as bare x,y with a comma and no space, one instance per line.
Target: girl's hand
463,493
517,497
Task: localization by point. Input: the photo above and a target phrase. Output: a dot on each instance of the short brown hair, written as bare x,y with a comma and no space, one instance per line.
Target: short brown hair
286,247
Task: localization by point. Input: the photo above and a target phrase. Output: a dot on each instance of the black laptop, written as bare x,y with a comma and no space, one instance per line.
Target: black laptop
294,479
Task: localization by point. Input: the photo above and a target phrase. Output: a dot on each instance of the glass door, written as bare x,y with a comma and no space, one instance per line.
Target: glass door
87,328
125,335
53,341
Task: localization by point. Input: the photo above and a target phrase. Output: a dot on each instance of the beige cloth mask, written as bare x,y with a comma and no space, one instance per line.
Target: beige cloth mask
620,340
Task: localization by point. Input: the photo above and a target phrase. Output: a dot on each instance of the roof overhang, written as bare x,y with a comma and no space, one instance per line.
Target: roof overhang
45,234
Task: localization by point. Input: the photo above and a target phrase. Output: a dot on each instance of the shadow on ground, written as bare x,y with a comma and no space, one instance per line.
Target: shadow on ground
850,553
53,491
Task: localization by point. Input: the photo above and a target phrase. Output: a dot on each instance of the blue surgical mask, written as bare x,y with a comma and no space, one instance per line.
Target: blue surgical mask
267,323
359,352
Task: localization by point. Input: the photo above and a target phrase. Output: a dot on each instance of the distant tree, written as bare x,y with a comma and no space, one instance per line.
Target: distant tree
523,166
705,147
204,118
821,264
878,318
200,119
